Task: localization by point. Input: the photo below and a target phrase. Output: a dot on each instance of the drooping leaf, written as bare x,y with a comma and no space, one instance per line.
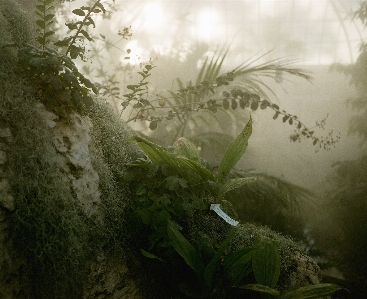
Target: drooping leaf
266,262
91,22
234,152
64,42
261,288
48,33
187,168
48,17
254,105
212,265
234,184
41,8
100,5
237,264
185,249
41,24
150,255
78,12
153,124
85,33
311,291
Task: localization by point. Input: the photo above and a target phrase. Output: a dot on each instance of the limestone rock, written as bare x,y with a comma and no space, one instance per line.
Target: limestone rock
71,141
303,270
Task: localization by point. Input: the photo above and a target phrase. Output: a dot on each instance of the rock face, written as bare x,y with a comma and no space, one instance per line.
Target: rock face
71,140
107,278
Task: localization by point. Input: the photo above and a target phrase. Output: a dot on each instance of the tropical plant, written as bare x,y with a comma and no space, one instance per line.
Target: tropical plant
262,260
176,182
242,87
176,185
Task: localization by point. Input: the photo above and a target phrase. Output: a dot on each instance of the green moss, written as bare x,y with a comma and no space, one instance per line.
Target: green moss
15,27
110,153
211,228
47,227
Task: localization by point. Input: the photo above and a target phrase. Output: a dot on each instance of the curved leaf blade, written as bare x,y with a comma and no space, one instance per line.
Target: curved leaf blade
234,184
266,262
185,249
212,266
311,291
261,288
234,152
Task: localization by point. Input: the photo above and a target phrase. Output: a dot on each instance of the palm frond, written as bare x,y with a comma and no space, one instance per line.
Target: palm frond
268,187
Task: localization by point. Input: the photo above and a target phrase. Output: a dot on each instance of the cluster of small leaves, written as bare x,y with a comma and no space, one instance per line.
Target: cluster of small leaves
237,97
161,194
126,33
189,97
137,98
59,84
43,10
75,43
325,143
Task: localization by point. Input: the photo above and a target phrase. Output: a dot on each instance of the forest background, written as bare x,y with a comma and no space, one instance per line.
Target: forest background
337,176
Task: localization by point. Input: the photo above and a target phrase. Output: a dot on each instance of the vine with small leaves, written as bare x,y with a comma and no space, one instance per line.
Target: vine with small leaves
190,99
59,84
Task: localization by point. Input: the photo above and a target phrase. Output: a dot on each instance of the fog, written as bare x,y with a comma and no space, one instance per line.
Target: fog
176,36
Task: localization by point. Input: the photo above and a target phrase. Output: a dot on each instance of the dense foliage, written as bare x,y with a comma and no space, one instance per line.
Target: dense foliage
162,191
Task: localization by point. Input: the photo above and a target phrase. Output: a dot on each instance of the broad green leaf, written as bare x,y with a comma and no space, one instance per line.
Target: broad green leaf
48,17
150,255
266,261
261,288
311,291
212,265
41,8
78,12
185,249
41,24
64,42
49,33
237,264
234,184
47,2
185,167
234,152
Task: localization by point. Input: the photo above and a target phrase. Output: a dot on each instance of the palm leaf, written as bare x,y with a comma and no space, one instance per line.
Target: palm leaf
287,194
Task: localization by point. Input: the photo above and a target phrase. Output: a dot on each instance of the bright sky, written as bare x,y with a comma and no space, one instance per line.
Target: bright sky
319,32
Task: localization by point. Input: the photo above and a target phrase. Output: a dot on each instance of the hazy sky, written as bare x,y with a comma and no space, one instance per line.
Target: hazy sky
320,32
